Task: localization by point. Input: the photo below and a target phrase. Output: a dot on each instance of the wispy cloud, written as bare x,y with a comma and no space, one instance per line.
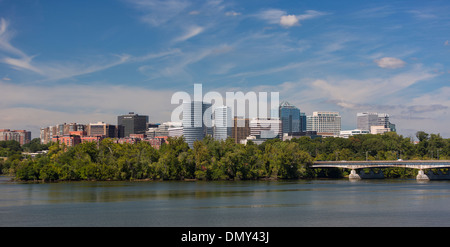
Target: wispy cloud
20,59
372,89
423,14
5,37
376,12
22,63
57,70
177,67
158,12
191,32
232,13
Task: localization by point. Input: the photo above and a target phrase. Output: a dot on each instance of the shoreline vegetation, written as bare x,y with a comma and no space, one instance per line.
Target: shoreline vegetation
212,159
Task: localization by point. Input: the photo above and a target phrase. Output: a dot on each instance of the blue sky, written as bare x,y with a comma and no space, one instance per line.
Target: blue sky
89,61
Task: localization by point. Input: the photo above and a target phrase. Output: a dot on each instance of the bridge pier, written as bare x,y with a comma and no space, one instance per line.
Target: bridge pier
430,175
422,176
354,175
362,175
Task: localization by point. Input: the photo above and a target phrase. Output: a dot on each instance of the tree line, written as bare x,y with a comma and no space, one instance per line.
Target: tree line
211,159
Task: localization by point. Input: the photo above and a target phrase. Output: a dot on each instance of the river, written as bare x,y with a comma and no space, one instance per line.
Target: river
299,203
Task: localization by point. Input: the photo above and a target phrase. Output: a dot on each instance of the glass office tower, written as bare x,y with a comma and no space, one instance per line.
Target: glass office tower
290,118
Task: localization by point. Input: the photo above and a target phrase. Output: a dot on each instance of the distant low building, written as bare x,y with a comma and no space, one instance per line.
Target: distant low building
175,131
348,133
68,140
311,134
165,129
156,142
379,129
266,128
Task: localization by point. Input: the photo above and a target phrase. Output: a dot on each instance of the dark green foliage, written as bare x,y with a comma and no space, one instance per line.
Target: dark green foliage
215,160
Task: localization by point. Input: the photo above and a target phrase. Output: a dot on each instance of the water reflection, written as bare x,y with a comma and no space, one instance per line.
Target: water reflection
242,203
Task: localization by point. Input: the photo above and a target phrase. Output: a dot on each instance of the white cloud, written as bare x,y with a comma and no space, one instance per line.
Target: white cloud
276,16
288,20
390,63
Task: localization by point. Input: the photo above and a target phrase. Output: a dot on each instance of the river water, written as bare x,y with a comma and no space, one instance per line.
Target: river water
303,203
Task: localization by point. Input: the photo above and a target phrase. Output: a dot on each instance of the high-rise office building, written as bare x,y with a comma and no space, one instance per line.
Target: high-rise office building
383,120
379,122
325,123
197,121
290,118
302,122
131,123
364,120
222,122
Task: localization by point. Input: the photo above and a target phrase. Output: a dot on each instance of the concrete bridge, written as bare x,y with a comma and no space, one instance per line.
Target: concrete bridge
358,173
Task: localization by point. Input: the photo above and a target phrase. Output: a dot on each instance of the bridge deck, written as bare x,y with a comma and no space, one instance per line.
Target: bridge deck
416,164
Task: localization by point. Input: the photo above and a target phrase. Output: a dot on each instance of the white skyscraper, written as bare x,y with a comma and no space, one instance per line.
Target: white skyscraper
197,121
222,122
324,122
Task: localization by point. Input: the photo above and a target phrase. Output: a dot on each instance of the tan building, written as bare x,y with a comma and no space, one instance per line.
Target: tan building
21,136
241,129
101,129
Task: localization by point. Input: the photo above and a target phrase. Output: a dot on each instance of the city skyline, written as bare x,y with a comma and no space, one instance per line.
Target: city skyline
65,61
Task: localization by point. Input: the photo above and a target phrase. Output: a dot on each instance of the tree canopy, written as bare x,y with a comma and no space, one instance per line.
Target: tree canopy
211,159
